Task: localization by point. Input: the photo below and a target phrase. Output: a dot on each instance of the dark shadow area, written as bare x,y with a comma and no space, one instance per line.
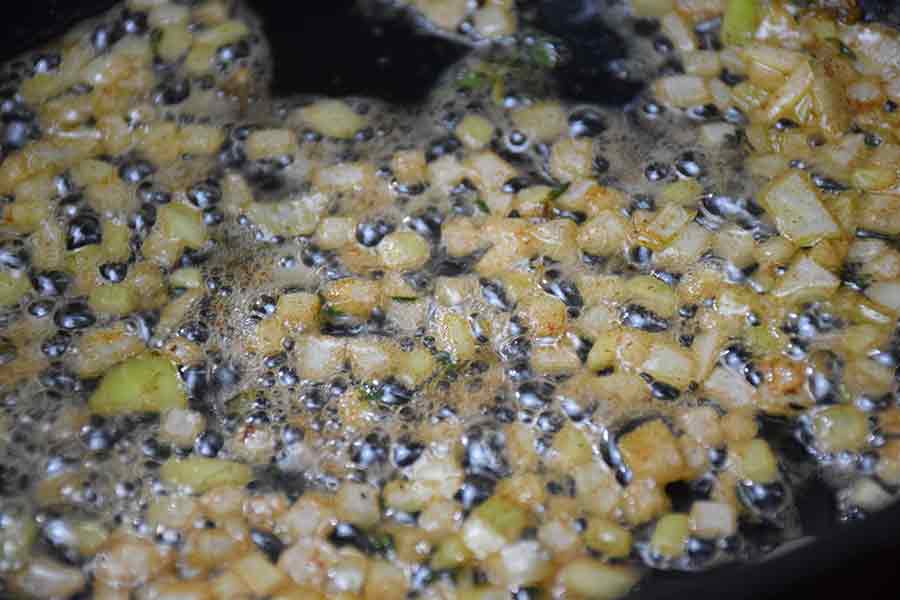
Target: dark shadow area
882,11
590,75
329,48
29,24
859,559
320,46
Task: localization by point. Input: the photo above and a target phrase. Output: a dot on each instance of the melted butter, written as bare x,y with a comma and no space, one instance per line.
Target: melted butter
112,464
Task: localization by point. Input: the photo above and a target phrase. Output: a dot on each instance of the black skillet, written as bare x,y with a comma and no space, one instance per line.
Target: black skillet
332,50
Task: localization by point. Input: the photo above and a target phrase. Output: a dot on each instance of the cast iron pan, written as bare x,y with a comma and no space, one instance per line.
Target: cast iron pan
330,49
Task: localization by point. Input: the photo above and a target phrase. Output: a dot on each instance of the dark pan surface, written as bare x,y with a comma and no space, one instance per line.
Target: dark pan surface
325,46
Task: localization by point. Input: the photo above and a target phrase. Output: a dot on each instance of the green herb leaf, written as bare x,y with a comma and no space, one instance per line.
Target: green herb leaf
447,367
156,37
738,138
473,79
852,274
558,191
482,205
842,48
381,542
370,392
544,54
331,312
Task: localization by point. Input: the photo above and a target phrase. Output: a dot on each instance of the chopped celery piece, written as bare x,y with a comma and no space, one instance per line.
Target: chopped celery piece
451,553
146,383
17,535
608,538
505,517
841,427
13,286
739,23
758,463
203,474
182,223
798,212
671,535
112,299
594,580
